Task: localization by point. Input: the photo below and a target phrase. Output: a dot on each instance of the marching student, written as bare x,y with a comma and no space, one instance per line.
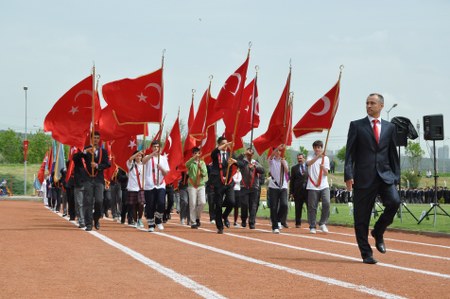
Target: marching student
135,191
94,160
318,188
237,178
223,184
250,170
198,175
156,168
278,189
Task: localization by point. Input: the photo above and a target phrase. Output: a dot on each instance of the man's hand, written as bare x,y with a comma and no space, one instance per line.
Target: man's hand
349,184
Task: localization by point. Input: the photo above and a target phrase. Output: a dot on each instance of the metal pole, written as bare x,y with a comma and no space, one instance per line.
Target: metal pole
389,110
25,88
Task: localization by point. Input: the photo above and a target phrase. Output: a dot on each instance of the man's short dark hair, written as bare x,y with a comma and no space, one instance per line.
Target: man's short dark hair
300,154
318,143
155,142
195,150
220,139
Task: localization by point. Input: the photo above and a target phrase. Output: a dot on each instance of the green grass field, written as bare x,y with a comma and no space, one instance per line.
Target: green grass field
341,215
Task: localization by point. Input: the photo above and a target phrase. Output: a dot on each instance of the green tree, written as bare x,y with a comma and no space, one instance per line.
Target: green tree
39,143
341,153
303,150
11,148
414,153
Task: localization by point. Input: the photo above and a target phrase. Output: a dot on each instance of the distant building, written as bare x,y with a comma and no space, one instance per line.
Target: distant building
443,152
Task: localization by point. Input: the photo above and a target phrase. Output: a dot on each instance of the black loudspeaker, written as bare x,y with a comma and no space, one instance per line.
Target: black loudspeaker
433,127
401,137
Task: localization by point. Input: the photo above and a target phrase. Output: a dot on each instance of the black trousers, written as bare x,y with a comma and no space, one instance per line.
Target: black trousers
211,204
299,199
363,202
249,204
223,196
278,206
124,211
71,203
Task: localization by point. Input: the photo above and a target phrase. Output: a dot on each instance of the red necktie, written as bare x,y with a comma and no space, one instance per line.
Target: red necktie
375,130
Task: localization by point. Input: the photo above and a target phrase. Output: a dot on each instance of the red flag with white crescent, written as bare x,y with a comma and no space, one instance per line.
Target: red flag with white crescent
70,118
137,100
173,149
278,131
122,149
321,115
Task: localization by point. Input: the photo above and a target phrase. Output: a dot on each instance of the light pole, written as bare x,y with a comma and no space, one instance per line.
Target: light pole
389,110
25,88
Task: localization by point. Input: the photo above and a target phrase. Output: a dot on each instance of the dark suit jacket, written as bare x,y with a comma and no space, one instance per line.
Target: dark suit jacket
297,181
214,174
365,159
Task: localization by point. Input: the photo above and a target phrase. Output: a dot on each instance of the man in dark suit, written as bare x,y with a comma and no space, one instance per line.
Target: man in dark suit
297,187
372,168
223,184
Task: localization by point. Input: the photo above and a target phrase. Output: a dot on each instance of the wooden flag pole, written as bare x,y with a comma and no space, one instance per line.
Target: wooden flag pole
253,106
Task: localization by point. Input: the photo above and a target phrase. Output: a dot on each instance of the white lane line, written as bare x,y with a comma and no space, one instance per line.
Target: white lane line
395,240
328,280
354,244
441,275
188,283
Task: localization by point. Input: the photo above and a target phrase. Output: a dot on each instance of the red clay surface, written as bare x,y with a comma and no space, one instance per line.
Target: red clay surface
45,256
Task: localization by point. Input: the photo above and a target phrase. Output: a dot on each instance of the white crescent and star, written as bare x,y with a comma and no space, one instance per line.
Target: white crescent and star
238,76
143,98
132,144
326,107
75,109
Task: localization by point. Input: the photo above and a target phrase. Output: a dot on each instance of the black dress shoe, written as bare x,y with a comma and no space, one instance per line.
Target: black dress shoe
379,242
285,225
220,231
226,222
197,221
194,226
370,260
88,228
97,225
252,226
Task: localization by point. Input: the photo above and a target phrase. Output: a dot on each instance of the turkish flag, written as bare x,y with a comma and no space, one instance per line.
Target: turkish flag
111,129
248,115
206,116
209,144
136,100
173,148
321,115
70,118
189,142
278,131
230,94
122,149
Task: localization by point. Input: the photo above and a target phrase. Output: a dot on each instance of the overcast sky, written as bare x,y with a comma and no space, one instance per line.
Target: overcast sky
397,48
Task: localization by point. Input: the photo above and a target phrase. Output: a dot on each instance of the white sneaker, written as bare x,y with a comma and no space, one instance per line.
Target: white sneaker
151,229
312,230
182,222
160,226
276,231
323,228
140,223
237,225
213,221
279,225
